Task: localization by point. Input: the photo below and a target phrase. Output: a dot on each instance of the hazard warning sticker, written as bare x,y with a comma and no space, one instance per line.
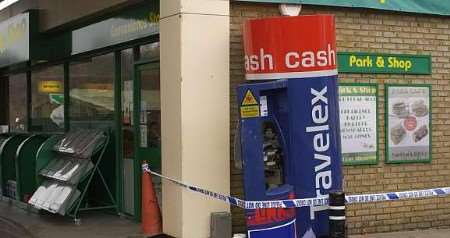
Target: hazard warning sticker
249,99
249,106
249,111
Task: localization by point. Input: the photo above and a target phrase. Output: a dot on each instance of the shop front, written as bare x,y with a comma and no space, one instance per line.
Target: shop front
67,67
102,75
393,97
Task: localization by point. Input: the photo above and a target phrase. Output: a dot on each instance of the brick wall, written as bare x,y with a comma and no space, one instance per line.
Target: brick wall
385,32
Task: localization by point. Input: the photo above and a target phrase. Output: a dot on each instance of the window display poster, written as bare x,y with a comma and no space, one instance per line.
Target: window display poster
408,123
358,123
144,136
127,102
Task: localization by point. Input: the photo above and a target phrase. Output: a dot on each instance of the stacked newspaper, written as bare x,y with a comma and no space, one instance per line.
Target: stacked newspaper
67,169
54,197
71,163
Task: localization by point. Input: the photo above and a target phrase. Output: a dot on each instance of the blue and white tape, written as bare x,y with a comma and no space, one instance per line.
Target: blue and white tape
307,202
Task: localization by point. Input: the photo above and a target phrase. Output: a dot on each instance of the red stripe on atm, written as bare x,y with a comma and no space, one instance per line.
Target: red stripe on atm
291,75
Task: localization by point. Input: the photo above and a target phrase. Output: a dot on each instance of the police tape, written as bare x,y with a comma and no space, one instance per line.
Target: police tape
308,202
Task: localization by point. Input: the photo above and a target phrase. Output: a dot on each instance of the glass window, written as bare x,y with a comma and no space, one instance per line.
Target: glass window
18,102
4,104
127,102
127,131
91,92
150,106
149,51
47,99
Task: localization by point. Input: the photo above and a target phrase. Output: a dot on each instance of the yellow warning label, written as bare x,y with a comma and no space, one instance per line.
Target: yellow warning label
249,99
249,111
50,86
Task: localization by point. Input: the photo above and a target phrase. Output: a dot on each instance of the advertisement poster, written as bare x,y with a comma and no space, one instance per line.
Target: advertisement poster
143,134
127,102
408,123
358,123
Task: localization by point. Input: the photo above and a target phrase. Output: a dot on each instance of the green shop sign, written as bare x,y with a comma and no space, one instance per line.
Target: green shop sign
21,42
437,7
15,40
127,26
57,98
373,63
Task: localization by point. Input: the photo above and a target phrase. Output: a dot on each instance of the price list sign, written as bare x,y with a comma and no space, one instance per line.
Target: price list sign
358,123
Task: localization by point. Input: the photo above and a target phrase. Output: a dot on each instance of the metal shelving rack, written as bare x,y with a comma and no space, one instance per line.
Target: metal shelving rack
72,151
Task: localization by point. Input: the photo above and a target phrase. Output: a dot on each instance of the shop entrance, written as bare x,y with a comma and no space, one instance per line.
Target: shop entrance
141,133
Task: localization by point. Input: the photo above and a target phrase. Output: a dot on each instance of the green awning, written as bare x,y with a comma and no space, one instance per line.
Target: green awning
435,7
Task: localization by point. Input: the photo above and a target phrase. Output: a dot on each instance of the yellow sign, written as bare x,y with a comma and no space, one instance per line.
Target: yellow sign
99,86
249,111
249,99
50,86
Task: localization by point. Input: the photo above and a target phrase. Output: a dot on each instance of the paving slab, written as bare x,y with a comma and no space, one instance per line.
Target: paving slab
430,233
93,224
27,224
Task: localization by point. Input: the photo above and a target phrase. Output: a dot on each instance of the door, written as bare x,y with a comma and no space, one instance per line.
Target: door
147,127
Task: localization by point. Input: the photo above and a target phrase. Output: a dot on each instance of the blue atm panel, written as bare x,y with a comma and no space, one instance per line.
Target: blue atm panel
293,141
290,126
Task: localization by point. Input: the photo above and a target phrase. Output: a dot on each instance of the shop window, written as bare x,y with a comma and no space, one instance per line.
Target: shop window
91,92
127,131
149,51
127,102
18,102
150,105
47,99
4,117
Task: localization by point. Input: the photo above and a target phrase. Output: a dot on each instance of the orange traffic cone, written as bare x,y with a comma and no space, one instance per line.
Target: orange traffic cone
151,214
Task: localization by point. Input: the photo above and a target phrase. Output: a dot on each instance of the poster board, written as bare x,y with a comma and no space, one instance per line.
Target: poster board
408,123
358,123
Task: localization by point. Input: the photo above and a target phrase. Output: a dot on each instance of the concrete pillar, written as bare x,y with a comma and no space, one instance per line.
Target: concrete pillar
195,111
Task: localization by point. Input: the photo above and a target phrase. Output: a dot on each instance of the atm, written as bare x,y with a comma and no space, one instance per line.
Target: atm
264,146
289,122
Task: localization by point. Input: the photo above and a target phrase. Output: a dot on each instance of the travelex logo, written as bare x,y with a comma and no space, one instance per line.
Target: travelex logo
291,51
321,144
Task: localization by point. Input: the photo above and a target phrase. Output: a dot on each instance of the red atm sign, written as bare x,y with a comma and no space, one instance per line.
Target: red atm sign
291,51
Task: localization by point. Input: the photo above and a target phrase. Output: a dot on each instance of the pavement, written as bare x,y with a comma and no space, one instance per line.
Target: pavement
16,222
11,229
430,233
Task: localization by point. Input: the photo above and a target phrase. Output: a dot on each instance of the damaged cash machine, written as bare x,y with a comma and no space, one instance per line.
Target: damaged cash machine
289,122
